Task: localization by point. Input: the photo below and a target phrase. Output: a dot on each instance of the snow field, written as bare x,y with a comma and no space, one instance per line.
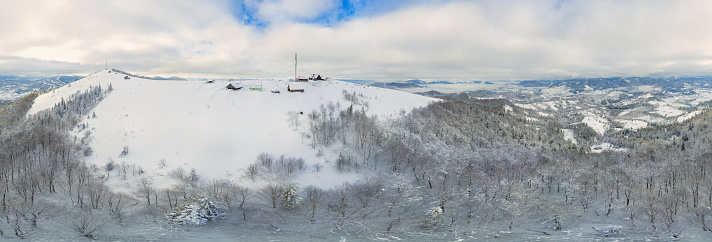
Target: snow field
569,135
219,132
599,124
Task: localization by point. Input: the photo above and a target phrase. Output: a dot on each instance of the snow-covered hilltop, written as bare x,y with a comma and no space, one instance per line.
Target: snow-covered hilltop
219,132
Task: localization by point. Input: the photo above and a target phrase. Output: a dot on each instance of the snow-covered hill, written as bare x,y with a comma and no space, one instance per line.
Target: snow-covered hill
217,131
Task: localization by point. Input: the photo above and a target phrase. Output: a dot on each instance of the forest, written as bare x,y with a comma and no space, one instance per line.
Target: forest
451,170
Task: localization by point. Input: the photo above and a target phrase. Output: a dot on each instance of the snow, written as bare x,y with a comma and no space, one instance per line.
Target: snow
526,106
599,124
11,95
219,132
551,105
647,95
647,88
557,91
615,94
666,109
508,108
569,135
633,124
688,116
606,147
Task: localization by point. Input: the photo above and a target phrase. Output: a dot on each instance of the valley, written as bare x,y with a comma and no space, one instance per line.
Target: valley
606,106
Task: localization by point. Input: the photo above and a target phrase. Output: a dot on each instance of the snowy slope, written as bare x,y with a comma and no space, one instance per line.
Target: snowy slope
218,132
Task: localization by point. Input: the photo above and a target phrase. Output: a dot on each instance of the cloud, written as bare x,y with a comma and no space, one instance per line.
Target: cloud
33,67
362,39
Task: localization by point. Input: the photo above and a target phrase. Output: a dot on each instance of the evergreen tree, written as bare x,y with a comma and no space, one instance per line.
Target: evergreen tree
291,199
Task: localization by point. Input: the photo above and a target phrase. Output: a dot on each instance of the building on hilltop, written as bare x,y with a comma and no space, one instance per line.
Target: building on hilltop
231,87
302,79
289,89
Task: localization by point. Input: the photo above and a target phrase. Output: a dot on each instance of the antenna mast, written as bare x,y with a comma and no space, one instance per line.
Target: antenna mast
295,66
107,64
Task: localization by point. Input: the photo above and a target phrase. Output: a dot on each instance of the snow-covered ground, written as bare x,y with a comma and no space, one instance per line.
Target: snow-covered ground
597,123
688,116
569,135
219,132
605,147
667,109
633,124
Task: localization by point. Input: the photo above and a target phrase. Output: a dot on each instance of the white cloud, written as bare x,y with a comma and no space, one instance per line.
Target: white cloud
426,40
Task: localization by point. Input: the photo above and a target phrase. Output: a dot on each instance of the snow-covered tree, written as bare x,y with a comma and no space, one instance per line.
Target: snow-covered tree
197,211
290,197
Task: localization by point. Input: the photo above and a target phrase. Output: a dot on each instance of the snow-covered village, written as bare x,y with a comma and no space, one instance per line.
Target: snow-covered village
357,120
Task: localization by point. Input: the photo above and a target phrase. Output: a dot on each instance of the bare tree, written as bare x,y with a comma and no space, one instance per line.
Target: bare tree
340,199
272,192
146,189
86,225
251,171
240,193
266,161
312,197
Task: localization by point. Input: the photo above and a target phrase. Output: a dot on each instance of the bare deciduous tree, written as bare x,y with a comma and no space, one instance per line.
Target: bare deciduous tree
313,196
272,192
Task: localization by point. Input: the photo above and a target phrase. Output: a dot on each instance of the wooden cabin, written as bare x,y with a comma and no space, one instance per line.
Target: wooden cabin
294,90
231,87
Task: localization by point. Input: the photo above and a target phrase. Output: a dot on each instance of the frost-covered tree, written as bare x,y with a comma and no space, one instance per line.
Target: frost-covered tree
197,211
290,198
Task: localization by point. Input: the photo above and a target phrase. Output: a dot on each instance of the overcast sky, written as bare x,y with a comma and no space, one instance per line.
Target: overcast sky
359,39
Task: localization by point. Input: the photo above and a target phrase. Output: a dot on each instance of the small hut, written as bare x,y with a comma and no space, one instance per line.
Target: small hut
294,90
231,87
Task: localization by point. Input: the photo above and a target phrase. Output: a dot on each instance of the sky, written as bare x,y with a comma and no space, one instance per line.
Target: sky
385,40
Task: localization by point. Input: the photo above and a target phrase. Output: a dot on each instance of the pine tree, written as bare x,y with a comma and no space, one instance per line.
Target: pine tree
291,199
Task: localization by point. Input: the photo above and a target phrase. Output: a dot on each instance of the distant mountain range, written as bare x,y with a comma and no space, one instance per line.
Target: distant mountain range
14,87
675,84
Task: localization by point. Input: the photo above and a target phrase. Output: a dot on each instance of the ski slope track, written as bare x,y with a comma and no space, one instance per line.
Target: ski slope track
219,132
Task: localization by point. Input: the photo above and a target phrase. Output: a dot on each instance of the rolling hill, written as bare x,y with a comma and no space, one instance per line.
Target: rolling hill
219,132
